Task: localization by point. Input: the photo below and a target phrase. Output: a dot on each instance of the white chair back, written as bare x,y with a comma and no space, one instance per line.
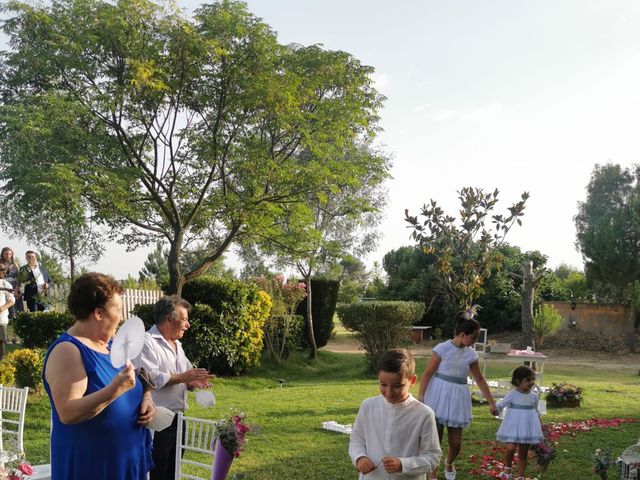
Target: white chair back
13,405
194,448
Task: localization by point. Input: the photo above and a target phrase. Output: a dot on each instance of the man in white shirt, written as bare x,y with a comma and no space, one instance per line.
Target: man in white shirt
37,284
7,300
166,364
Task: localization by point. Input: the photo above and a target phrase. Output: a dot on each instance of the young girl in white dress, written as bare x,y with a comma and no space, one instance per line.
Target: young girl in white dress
443,387
521,426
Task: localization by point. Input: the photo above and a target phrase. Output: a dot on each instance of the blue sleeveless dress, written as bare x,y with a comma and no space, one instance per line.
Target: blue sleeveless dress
109,446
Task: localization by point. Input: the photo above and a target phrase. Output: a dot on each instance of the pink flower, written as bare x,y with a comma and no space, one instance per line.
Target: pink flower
25,468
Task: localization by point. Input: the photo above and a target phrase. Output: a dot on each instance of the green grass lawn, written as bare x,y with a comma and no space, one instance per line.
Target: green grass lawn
292,445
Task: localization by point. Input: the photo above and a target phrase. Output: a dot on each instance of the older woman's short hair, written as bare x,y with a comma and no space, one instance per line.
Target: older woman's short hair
168,306
90,291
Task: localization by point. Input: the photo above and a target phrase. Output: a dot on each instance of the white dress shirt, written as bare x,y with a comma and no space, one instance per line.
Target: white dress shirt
406,430
4,298
37,274
160,361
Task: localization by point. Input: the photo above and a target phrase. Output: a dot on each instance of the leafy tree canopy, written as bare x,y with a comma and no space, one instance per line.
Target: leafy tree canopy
466,249
193,132
608,230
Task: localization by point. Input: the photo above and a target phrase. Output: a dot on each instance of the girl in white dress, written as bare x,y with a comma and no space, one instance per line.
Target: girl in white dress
443,387
521,426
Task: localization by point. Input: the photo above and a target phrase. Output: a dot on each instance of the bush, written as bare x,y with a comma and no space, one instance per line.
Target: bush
324,297
380,325
282,333
40,329
7,373
28,365
282,330
226,324
144,313
546,321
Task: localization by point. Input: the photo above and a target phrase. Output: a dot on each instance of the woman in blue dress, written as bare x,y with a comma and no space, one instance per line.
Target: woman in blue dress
99,412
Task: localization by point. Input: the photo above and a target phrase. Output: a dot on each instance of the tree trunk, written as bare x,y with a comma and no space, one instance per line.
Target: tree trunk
528,292
313,352
176,279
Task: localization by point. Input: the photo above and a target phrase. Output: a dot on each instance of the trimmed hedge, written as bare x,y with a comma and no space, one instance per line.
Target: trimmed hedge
380,325
324,297
40,329
28,364
226,324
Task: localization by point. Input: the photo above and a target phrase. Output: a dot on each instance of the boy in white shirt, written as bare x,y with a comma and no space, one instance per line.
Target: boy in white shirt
394,432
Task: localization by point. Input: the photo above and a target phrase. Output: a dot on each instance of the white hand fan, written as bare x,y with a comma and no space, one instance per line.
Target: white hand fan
205,398
163,418
128,342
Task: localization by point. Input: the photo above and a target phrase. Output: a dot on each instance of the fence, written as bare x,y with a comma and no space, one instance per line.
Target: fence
130,298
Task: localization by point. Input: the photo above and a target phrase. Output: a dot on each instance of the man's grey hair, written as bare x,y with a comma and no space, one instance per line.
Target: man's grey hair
167,306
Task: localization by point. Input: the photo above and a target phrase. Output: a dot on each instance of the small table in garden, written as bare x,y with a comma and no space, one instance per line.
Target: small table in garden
533,360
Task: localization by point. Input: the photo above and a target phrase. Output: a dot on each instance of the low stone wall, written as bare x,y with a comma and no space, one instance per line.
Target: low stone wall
604,319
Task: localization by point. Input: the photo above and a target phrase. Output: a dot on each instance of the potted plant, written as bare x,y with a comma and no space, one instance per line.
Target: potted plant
602,460
564,395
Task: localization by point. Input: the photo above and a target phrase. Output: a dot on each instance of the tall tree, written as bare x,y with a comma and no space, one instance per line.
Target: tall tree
39,143
608,230
339,217
466,252
198,127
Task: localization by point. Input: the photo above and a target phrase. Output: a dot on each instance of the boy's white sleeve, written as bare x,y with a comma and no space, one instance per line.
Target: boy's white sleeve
429,455
357,439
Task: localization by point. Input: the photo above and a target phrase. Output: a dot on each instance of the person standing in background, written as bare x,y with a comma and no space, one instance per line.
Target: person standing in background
11,275
37,283
7,300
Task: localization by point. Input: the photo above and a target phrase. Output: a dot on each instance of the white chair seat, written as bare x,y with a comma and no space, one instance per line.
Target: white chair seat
41,472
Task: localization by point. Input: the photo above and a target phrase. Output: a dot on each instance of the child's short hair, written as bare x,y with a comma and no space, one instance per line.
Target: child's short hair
469,326
397,360
521,373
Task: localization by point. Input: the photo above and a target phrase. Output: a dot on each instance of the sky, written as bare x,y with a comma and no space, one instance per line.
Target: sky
518,96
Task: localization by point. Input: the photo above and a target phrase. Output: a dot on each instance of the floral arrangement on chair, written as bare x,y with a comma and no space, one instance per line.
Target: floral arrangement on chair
22,470
229,443
564,392
231,433
602,460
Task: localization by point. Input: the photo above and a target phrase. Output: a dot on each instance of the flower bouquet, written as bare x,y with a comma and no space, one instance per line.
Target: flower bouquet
22,470
229,443
602,460
542,455
564,395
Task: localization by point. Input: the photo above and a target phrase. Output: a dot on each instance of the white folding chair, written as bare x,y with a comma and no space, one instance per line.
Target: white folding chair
194,448
13,405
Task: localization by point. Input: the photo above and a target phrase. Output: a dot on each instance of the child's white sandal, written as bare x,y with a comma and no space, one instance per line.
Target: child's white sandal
450,475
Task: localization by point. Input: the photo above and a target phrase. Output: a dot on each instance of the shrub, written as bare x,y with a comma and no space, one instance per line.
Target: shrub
226,324
28,367
546,321
324,297
144,313
40,329
283,330
380,325
7,373
282,333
